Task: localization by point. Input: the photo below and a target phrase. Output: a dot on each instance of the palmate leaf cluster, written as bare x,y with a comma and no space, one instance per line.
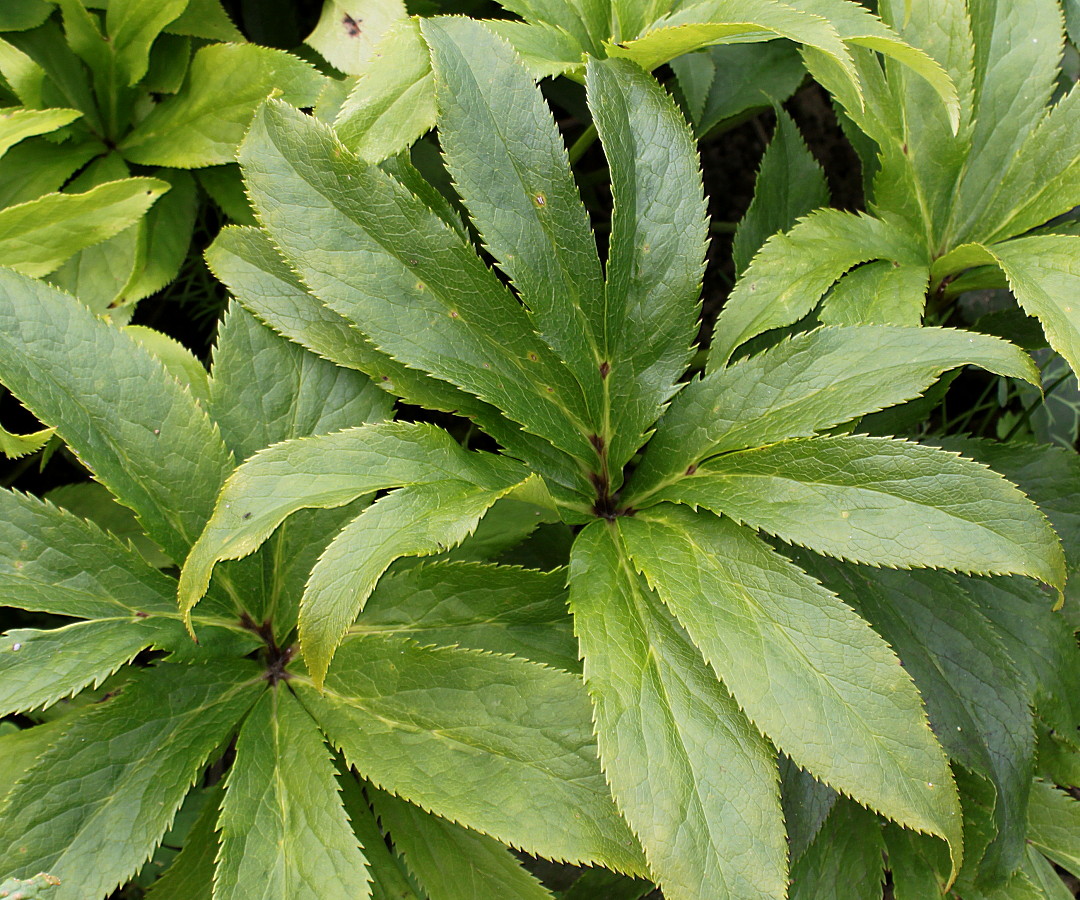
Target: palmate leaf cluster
695,680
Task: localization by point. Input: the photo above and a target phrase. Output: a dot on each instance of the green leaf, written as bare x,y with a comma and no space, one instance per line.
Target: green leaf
24,77
20,15
392,103
846,860
54,562
878,293
502,609
16,446
139,431
459,733
1016,58
809,383
18,123
40,886
449,314
880,501
792,272
190,876
205,122
225,185
520,194
451,862
21,748
1045,878
265,389
919,865
785,647
690,27
99,800
977,700
1054,825
133,26
790,184
36,237
1043,274
417,520
322,472
806,803
282,825
658,240
205,19
546,50
37,668
178,361
662,722
1042,180
348,30
722,82
38,166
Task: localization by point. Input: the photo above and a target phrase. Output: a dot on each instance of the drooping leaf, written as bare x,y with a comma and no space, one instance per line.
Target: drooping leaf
811,383
282,826
100,799
36,237
204,123
451,862
137,429
793,271
503,609
458,732
845,861
467,327
663,720
880,501
977,700
784,646
520,194
658,242
417,520
322,472
790,184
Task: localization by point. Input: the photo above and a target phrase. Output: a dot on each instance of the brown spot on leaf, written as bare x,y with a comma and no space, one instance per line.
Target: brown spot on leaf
351,25
605,368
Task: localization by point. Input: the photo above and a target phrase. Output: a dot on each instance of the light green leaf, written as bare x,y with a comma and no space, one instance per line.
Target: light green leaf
437,307
722,82
36,888
546,50
99,800
393,100
51,561
322,472
809,383
283,830
459,733
878,293
24,77
348,30
37,668
790,184
205,122
36,237
265,389
659,236
663,720
179,362
703,24
1044,275
502,609
140,432
880,501
785,647
205,19
1054,825
190,876
451,862
846,860
587,21
16,446
977,700
793,271
417,520
132,27
1042,180
520,194
1017,50
18,123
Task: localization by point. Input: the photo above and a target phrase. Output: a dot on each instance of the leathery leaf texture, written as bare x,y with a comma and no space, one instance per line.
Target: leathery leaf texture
707,652
225,746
